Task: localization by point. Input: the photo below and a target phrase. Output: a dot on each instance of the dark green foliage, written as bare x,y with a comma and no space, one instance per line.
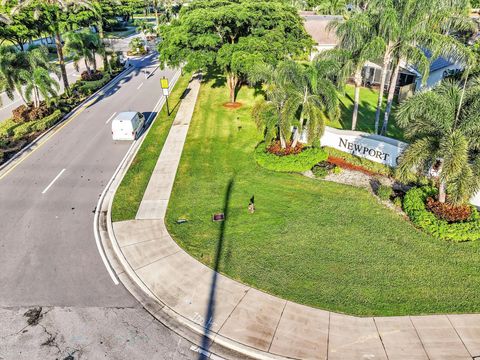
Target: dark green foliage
291,163
384,192
414,206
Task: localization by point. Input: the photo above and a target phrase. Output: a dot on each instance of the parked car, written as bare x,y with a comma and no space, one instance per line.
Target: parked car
127,125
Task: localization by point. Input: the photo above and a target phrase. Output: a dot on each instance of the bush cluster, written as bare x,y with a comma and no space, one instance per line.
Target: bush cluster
322,169
300,162
93,76
385,192
414,205
449,212
25,113
24,129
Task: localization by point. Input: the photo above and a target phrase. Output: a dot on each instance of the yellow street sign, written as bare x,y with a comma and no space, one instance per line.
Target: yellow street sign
164,83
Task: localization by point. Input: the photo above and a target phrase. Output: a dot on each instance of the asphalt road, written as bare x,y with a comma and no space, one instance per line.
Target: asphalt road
48,254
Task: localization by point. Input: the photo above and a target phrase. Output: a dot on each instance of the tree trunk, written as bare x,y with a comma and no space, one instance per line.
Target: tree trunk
94,61
61,61
87,67
101,34
358,84
391,93
442,191
386,63
283,143
232,82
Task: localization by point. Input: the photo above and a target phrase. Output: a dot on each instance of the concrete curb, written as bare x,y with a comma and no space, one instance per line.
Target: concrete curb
44,136
218,345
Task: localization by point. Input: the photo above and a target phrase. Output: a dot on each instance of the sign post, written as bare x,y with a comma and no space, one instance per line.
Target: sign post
165,89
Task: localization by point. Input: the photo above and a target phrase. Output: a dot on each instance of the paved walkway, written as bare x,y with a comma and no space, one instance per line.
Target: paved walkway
255,323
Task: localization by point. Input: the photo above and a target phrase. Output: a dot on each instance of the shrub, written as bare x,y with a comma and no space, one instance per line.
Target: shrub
39,113
397,202
89,87
337,170
7,127
324,168
320,171
36,126
20,114
414,206
449,212
290,163
93,76
384,192
276,148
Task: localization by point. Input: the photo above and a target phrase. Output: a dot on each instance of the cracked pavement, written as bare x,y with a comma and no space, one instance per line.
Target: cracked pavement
66,333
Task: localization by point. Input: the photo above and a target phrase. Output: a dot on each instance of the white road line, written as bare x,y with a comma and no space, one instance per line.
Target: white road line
110,118
139,86
53,181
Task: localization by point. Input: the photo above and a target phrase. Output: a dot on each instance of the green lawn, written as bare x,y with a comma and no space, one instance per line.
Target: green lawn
120,34
317,243
366,113
131,190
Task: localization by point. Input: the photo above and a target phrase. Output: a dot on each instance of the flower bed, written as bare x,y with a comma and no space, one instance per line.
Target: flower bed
300,162
414,204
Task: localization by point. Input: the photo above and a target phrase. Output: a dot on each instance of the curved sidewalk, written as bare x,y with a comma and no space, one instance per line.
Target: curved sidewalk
181,291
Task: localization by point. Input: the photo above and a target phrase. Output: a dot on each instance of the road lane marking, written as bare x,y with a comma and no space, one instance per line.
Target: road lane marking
110,118
53,181
139,86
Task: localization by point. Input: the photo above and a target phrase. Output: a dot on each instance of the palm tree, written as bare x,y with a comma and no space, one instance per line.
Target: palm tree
53,11
78,45
311,95
9,66
332,7
38,84
358,44
297,95
446,135
270,114
409,27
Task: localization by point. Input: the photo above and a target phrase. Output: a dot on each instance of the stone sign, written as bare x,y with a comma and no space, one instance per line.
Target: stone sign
376,148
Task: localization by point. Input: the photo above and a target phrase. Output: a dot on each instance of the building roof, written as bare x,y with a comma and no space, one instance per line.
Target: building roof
439,63
316,26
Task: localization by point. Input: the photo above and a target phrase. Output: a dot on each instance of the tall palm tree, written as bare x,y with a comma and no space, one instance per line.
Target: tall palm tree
53,11
78,45
409,27
297,95
311,95
358,44
445,134
9,66
270,114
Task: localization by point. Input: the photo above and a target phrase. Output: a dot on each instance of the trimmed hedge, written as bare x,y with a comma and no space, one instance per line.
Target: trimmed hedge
7,126
36,126
301,162
359,161
414,206
89,87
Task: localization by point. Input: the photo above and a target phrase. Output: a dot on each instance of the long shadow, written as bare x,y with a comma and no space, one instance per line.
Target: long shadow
210,315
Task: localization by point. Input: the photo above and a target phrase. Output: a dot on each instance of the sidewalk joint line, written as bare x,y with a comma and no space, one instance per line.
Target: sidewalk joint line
419,337
163,257
142,241
380,337
276,327
234,308
456,332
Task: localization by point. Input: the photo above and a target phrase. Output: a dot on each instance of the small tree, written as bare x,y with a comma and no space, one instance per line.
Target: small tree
445,134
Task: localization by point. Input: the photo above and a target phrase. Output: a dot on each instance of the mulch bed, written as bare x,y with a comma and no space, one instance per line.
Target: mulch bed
346,165
230,105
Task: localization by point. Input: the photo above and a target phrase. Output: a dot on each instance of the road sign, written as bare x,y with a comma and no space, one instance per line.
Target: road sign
164,83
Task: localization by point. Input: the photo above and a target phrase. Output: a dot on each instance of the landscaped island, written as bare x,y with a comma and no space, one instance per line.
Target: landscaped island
314,242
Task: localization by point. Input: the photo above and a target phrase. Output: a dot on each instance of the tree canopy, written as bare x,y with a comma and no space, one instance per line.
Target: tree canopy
232,35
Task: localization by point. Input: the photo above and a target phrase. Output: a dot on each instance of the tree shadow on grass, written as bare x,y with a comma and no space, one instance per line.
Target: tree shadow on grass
210,314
